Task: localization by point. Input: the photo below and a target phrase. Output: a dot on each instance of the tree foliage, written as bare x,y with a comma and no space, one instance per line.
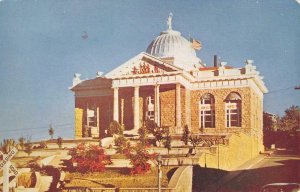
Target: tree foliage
139,157
268,123
291,119
89,158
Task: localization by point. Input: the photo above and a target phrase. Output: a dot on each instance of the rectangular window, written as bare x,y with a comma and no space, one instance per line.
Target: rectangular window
233,117
208,119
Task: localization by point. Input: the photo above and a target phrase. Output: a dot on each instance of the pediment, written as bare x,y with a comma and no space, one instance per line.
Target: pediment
142,64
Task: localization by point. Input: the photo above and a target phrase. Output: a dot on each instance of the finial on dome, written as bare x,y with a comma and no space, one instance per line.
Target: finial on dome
169,22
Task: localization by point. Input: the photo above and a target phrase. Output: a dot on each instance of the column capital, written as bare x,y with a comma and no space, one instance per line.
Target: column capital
115,88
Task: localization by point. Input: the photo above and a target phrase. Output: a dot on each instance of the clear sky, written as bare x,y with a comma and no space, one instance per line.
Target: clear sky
44,42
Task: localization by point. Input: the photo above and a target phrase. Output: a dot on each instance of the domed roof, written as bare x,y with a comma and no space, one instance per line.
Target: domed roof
170,44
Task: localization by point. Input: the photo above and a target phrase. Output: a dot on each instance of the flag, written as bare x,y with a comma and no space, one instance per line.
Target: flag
196,44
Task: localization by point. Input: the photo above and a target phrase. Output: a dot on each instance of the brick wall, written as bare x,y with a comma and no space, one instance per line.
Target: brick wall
220,113
105,105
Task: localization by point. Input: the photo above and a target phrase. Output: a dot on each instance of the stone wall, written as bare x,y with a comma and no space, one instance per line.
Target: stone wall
240,148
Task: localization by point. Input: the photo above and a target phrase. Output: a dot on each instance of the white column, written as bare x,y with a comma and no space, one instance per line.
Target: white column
178,109
116,104
122,111
188,107
156,105
136,110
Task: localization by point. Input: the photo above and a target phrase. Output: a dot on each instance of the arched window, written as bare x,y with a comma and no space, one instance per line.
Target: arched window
233,110
207,111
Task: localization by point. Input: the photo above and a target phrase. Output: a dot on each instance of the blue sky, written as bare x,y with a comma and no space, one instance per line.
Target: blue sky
41,47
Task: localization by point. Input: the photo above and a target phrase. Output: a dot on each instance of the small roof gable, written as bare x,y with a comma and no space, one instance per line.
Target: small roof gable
98,82
143,63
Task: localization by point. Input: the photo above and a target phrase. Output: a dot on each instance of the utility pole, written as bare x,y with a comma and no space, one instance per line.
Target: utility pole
159,163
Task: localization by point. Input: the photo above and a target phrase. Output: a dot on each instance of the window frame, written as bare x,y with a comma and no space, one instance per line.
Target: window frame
233,111
207,116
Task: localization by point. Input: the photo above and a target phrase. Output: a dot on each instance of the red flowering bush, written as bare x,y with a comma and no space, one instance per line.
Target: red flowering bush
139,158
89,158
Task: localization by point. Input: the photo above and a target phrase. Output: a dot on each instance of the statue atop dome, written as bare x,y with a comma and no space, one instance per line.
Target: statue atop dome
169,21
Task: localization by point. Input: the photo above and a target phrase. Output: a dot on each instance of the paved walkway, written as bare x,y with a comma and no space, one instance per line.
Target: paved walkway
246,166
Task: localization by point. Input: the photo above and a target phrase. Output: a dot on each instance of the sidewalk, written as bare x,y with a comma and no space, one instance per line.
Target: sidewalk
246,166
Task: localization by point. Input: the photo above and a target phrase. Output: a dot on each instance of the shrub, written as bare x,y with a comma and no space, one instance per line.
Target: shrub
43,145
115,128
158,132
195,140
185,135
59,142
22,142
28,147
89,158
122,144
168,141
143,135
139,158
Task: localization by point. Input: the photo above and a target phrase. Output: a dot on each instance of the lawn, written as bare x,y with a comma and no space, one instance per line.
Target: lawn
120,178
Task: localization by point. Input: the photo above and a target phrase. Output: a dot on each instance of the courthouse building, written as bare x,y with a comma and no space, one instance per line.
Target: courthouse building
169,84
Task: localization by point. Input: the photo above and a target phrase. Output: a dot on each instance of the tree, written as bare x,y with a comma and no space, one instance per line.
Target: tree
59,142
51,131
22,142
7,145
28,147
268,122
291,120
168,141
185,135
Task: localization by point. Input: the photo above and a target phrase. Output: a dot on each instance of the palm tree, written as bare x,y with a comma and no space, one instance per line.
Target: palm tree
51,131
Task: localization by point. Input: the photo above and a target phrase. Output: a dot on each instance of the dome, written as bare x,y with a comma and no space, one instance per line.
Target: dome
171,45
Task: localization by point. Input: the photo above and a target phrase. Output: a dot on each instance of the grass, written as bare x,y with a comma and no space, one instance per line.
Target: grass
120,178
